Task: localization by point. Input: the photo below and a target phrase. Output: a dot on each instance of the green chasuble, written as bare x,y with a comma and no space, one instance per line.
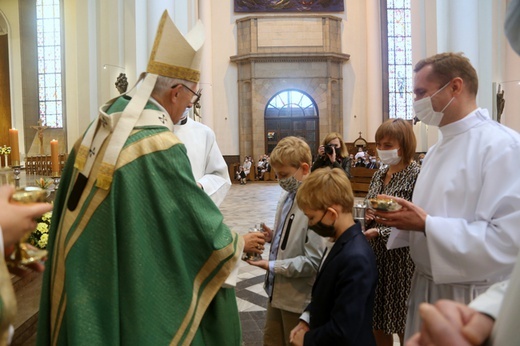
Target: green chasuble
142,263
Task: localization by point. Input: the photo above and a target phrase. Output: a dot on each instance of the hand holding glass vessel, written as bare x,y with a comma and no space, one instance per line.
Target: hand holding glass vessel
25,254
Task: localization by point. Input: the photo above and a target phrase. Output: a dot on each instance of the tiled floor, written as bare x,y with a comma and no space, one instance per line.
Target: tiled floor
244,207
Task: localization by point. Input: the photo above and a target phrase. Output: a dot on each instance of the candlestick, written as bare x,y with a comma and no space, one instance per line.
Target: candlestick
16,171
15,148
55,161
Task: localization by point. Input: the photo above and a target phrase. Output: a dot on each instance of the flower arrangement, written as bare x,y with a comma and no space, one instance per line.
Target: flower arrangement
40,236
43,183
5,150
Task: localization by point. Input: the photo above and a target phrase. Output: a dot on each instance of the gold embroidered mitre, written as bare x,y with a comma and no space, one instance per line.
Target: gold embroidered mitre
174,55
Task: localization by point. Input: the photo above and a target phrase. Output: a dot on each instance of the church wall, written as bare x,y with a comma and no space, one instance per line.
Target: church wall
88,46
356,95
11,13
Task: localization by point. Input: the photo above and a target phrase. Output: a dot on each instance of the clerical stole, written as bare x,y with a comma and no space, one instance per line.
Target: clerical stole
142,263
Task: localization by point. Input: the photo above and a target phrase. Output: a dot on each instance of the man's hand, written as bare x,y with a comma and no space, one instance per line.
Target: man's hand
409,218
450,323
298,333
22,270
254,242
17,219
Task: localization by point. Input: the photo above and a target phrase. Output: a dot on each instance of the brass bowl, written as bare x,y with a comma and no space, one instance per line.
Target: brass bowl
30,194
384,204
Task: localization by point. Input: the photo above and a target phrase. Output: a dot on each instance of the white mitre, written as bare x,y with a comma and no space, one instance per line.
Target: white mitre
173,55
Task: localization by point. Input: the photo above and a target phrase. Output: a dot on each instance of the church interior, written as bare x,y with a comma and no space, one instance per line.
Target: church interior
265,75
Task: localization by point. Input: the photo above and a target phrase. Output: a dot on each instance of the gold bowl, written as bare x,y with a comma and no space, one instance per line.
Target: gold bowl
384,204
29,194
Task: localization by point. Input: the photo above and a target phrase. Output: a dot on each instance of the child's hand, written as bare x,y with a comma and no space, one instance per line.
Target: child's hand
264,264
268,232
298,332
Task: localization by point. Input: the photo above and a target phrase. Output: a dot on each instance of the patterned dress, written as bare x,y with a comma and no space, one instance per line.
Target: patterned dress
395,267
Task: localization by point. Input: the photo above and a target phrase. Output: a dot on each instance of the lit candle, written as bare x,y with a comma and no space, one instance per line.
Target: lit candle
55,159
15,147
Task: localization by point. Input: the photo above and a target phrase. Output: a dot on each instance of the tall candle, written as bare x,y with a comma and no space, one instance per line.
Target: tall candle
54,158
15,147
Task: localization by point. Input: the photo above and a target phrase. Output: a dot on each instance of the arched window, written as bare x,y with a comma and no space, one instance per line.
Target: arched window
291,113
397,59
50,92
291,103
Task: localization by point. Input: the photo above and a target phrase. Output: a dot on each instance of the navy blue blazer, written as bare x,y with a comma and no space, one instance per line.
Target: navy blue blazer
342,302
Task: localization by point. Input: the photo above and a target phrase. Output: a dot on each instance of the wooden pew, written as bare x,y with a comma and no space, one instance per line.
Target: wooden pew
360,180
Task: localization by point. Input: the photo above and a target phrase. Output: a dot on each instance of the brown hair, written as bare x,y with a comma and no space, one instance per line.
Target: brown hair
446,66
334,135
291,151
325,187
402,131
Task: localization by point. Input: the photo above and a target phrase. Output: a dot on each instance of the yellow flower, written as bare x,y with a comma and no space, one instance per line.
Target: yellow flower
42,243
42,227
47,217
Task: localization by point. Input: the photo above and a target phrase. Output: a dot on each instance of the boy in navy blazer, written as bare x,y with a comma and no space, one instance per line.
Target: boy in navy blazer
340,312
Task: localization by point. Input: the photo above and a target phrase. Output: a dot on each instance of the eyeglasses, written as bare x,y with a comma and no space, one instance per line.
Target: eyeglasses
196,95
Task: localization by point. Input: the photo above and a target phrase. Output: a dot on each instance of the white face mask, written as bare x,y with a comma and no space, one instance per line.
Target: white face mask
389,157
424,110
185,114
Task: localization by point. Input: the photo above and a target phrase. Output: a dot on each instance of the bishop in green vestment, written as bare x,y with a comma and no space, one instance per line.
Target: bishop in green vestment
138,253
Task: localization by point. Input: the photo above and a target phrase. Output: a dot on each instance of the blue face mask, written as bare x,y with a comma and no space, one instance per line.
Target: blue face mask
323,230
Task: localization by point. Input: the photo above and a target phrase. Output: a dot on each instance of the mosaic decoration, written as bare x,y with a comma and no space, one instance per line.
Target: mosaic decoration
400,69
289,5
48,26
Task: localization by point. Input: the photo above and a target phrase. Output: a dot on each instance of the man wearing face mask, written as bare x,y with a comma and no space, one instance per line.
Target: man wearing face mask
465,208
295,251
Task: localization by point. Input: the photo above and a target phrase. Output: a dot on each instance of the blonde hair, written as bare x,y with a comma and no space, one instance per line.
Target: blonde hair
325,187
343,146
291,151
402,132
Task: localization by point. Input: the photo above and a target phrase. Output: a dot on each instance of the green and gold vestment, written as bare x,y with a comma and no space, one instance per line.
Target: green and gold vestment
143,262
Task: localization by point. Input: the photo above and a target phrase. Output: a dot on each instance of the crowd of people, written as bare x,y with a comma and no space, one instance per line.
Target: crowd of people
146,264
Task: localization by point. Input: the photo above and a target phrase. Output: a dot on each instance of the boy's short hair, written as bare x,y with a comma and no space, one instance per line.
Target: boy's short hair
325,187
291,151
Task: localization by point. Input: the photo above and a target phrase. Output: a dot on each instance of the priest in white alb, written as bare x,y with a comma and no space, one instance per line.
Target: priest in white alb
465,209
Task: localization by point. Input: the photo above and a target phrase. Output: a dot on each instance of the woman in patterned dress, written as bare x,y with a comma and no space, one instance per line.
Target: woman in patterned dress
396,144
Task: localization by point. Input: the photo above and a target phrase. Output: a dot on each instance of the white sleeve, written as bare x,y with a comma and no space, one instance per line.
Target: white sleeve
490,301
485,248
216,182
